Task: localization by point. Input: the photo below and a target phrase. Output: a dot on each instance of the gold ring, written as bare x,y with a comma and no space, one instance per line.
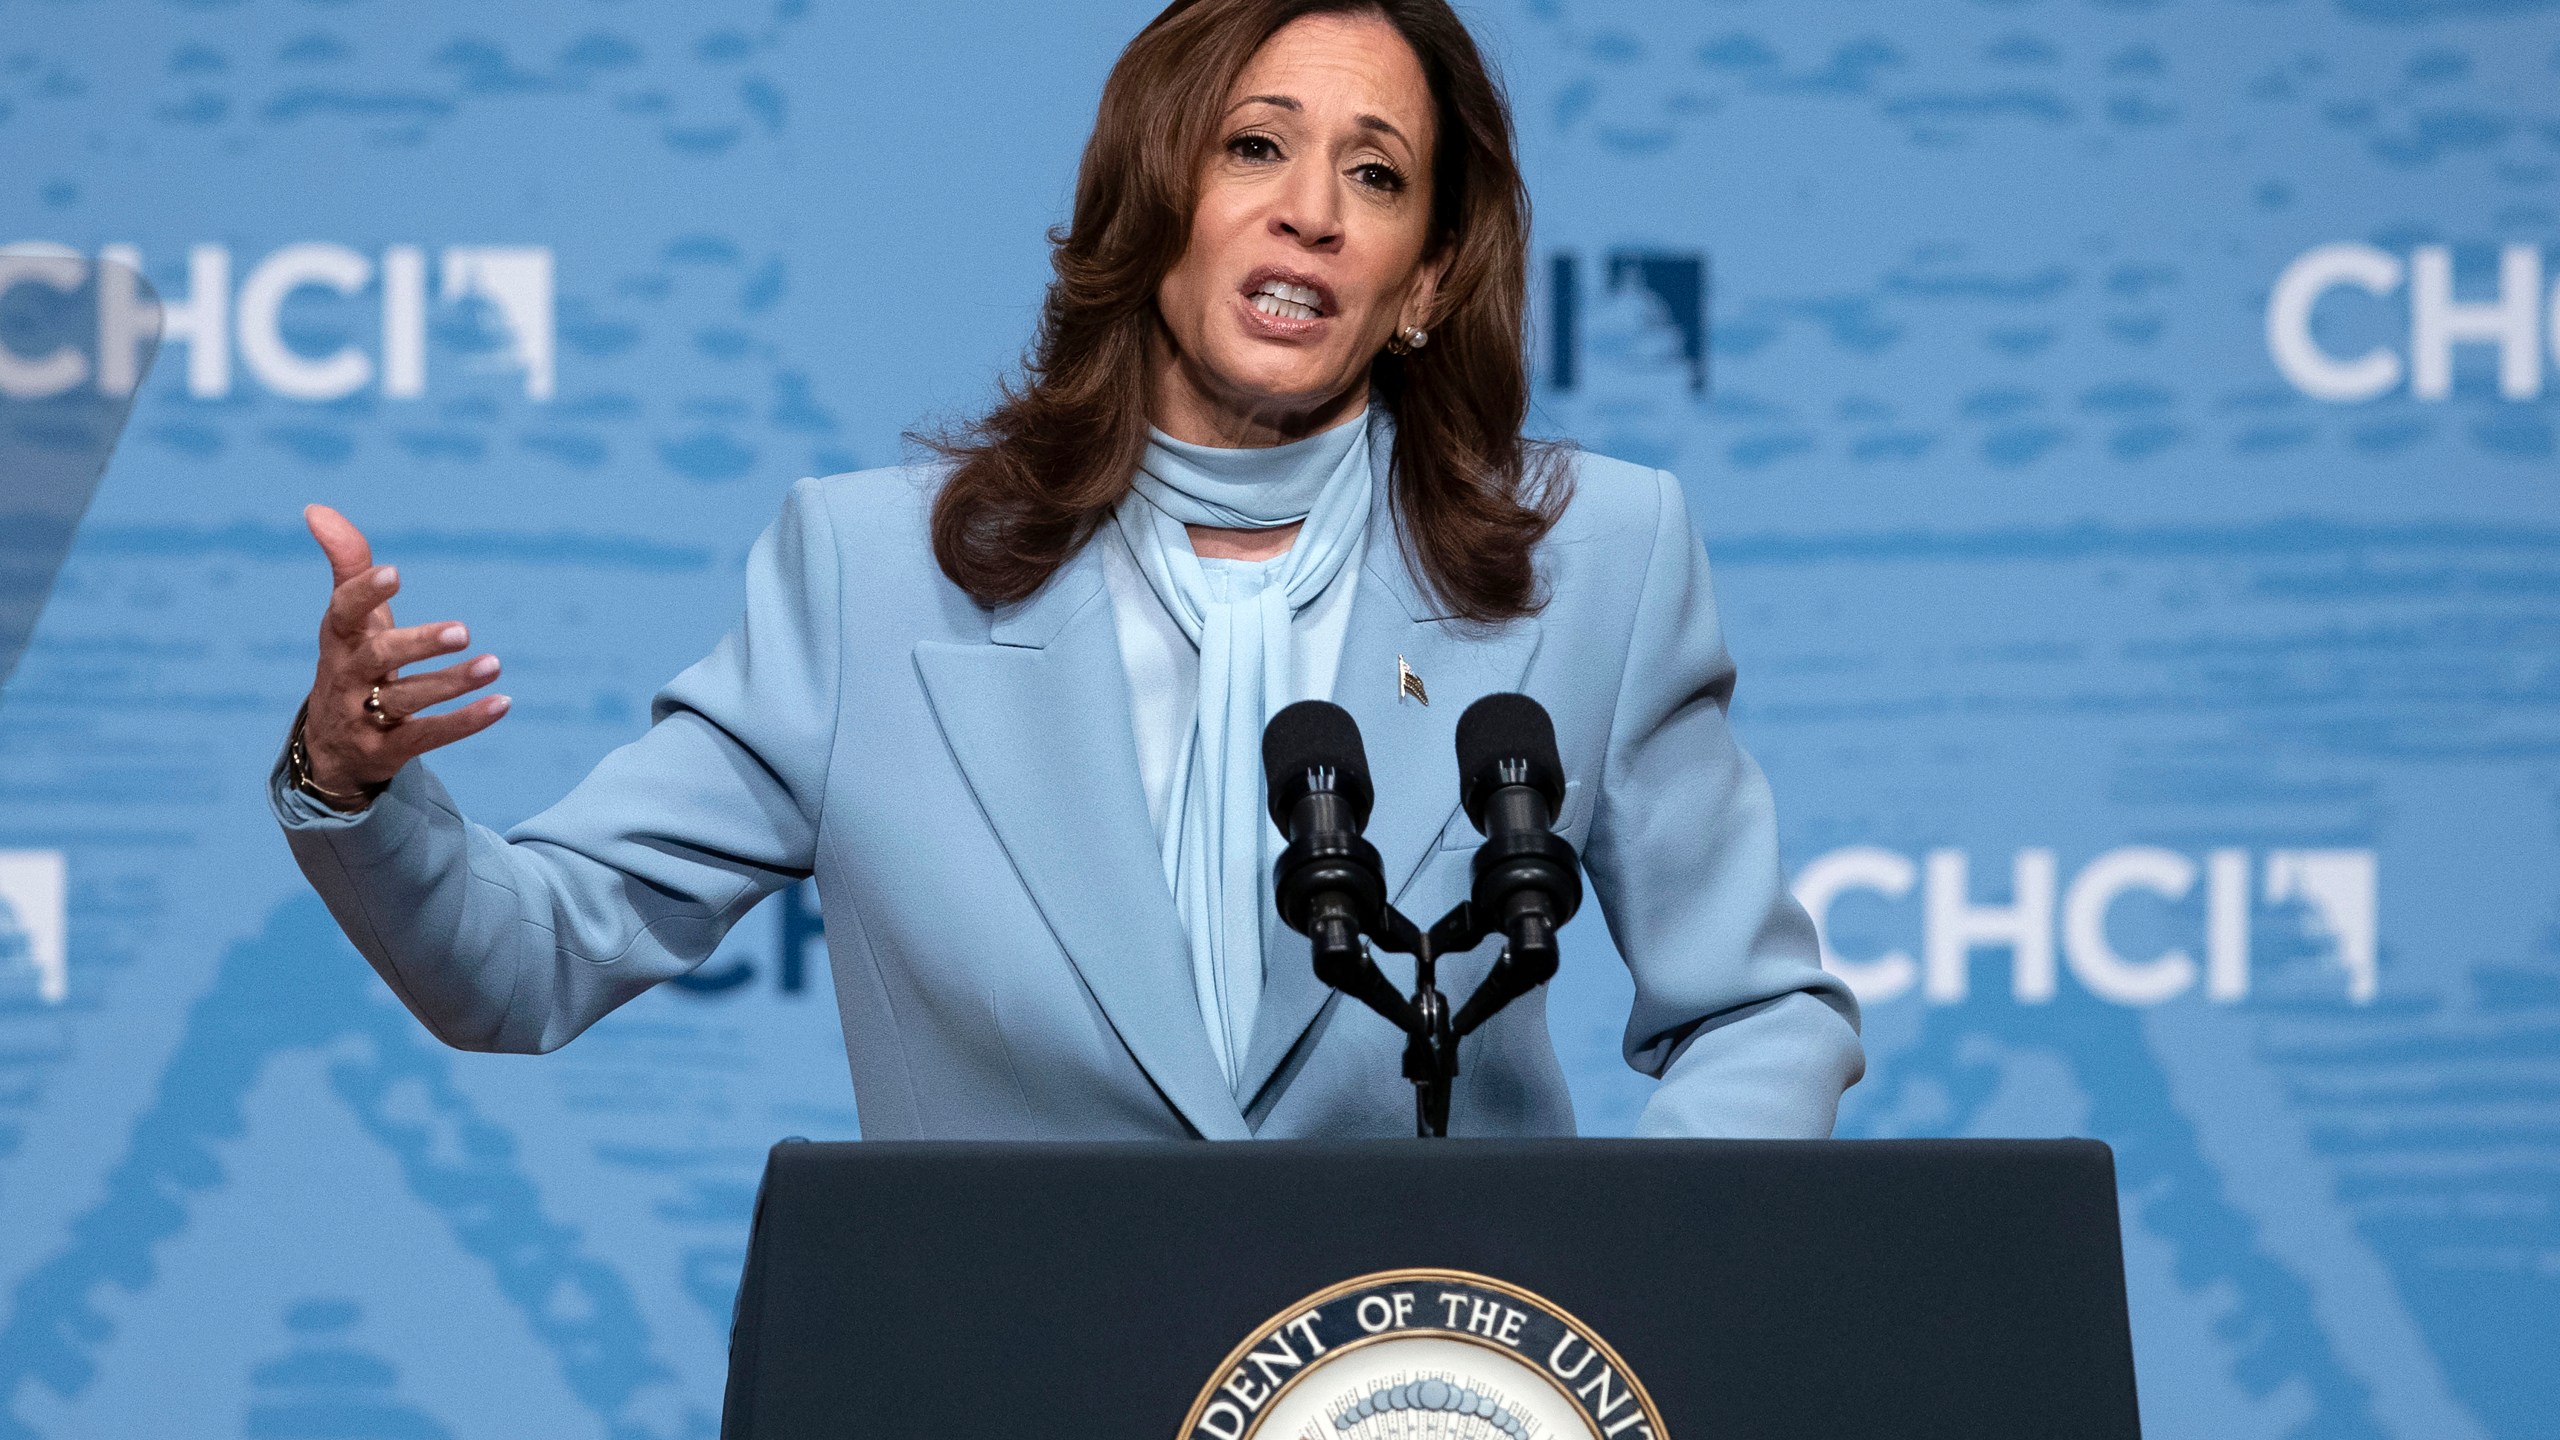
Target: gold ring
375,712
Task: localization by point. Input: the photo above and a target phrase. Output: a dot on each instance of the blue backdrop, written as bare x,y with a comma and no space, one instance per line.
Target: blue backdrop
2123,430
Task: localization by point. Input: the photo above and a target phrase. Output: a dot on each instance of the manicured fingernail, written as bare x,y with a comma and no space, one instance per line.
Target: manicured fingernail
484,667
453,637
498,704
384,575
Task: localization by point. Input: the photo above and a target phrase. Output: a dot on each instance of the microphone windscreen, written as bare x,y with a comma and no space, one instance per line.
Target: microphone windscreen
1508,726
1311,735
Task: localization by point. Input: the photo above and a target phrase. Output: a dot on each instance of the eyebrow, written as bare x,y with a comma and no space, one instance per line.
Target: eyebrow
1284,102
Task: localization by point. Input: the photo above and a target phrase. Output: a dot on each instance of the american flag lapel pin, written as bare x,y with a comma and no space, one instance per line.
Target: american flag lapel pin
1409,684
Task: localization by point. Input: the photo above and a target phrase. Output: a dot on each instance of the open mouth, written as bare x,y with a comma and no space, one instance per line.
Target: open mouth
1287,297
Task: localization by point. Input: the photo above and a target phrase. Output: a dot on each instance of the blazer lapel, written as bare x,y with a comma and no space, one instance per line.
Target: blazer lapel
1038,719
1412,749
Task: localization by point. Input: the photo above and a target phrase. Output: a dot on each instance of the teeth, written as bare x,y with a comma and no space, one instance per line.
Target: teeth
1270,304
1302,297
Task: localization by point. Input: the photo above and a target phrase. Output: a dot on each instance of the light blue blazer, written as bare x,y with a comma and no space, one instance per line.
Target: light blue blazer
964,785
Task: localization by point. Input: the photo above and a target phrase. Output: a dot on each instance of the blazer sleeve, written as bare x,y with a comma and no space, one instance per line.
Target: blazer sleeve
1750,1037
517,942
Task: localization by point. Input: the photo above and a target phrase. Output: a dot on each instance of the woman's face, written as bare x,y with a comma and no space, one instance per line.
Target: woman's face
1308,245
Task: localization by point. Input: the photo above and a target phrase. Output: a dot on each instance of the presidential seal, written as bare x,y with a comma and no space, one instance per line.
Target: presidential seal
1427,1354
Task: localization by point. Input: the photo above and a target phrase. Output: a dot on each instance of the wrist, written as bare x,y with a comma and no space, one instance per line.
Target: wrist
298,774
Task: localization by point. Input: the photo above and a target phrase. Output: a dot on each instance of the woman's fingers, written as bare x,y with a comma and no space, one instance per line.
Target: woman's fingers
412,693
346,749
362,603
350,554
360,594
421,733
360,650
384,651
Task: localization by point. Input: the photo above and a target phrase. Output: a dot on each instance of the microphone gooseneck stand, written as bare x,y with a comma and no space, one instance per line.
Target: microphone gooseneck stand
1431,1032
1330,885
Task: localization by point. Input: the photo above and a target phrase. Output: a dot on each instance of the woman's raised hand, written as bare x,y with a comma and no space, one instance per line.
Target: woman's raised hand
348,748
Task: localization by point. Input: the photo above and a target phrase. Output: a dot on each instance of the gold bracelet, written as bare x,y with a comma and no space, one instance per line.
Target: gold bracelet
297,764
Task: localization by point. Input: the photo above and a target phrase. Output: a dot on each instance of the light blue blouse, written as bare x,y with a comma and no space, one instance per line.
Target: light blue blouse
1163,664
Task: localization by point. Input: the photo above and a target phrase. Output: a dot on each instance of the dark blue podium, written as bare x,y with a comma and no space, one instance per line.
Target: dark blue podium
1616,1289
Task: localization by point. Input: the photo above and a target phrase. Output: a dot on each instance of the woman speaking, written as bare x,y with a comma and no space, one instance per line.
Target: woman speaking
1007,707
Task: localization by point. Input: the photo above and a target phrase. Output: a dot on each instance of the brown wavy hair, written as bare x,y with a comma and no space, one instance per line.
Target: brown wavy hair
1040,473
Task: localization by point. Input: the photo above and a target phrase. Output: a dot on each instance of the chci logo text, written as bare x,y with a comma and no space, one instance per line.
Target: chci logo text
2129,922
311,321
2349,322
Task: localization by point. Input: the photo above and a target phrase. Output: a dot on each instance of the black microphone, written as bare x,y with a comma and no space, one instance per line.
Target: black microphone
1528,881
1329,884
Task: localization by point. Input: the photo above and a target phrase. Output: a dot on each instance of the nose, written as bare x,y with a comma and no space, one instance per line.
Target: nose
1308,210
